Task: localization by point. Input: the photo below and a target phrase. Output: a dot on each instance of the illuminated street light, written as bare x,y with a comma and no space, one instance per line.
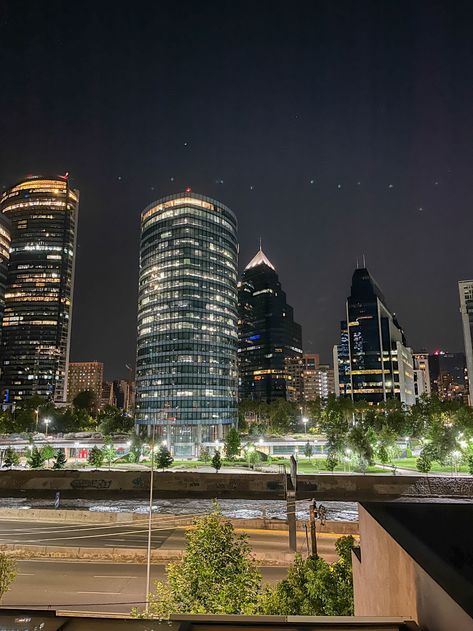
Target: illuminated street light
305,420
46,421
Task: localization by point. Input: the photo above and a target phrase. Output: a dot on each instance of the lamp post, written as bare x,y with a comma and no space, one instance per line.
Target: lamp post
150,522
37,418
305,420
46,422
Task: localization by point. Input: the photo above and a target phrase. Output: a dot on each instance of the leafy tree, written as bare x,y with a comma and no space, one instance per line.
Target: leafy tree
48,452
308,450
85,400
70,421
164,459
314,587
136,449
217,574
204,455
232,444
361,440
331,462
109,453
61,460
36,458
11,457
335,422
253,456
423,463
217,461
282,415
7,573
111,420
470,464
96,457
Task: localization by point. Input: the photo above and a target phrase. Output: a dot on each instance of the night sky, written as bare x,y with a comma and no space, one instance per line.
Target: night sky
332,129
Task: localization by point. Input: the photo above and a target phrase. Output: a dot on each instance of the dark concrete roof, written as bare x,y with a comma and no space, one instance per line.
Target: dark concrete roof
439,537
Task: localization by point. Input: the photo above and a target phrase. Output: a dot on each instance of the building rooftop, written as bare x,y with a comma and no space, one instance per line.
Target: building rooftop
260,259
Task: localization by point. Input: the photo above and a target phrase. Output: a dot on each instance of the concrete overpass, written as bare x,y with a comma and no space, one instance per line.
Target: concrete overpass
104,484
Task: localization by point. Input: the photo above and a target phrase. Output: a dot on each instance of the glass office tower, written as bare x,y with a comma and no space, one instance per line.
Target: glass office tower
465,287
270,341
186,374
372,362
38,301
5,243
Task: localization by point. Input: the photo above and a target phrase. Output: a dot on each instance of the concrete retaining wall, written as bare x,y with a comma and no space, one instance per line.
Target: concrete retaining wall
162,520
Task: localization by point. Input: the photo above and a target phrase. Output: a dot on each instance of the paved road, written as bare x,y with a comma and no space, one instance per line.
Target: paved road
88,586
135,536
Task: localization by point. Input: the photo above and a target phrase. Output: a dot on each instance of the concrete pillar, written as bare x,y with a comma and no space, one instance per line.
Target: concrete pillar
291,519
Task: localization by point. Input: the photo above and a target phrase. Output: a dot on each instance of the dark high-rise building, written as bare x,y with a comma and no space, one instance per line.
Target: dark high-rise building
373,360
448,376
186,372
268,337
5,242
38,301
465,288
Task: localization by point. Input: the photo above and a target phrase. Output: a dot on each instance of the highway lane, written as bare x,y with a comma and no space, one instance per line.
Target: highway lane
133,535
89,586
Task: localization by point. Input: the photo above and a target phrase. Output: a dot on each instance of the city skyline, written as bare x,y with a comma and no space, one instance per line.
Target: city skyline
330,133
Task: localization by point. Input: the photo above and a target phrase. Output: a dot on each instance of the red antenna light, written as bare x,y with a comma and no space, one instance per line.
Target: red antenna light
188,189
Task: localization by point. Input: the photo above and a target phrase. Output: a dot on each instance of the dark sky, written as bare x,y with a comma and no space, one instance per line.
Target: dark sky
332,129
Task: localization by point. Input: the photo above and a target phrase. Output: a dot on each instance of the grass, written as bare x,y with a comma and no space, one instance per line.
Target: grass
410,463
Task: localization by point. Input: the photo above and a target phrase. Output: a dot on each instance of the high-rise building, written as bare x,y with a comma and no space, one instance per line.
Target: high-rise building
124,393
318,378
465,288
85,376
448,376
294,379
373,360
421,375
268,336
38,301
5,243
186,372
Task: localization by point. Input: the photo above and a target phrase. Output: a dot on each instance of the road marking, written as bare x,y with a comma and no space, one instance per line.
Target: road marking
24,574
114,576
109,593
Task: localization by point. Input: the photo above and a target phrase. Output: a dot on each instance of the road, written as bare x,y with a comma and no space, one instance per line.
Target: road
133,535
89,586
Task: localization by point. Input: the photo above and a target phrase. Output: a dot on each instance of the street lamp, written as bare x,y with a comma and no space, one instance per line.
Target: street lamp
37,418
305,420
150,520
46,422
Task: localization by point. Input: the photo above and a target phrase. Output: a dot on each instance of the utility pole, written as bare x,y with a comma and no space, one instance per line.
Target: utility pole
312,518
150,521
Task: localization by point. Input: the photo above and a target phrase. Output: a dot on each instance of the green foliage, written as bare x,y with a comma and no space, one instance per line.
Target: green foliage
61,459
313,587
136,449
217,461
470,464
253,456
36,458
111,420
109,453
308,450
85,400
424,463
48,452
232,444
164,459
335,422
96,457
217,574
331,462
11,457
7,573
205,454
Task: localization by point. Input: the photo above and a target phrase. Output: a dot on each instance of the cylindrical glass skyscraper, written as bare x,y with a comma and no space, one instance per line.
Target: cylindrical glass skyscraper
36,326
186,372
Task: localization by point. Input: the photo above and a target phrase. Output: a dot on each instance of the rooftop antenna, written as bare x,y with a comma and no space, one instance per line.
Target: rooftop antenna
364,261
357,263
260,244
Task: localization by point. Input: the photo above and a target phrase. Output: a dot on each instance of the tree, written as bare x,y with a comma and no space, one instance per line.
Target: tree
232,444
217,461
96,457
253,456
331,462
61,460
7,573
313,587
204,454
35,459
136,449
111,420
164,459
217,574
470,464
48,452
109,453
423,463
85,400
308,450
11,457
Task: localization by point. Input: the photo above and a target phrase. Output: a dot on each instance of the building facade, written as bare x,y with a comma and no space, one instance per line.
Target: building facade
186,372
465,288
318,378
448,376
421,375
269,340
38,302
5,244
85,376
373,362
